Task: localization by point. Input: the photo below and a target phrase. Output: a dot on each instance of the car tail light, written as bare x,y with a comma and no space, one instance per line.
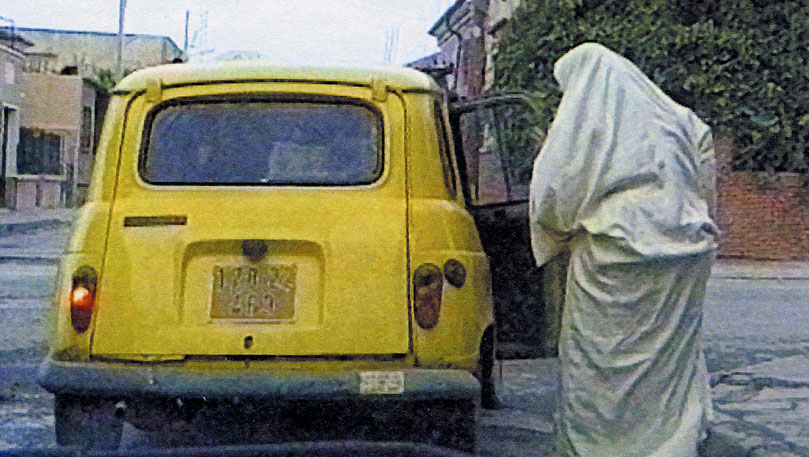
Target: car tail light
427,288
82,298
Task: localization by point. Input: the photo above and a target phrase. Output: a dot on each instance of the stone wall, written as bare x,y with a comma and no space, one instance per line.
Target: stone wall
761,218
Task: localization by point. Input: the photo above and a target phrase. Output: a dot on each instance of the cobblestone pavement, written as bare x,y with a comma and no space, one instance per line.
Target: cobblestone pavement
528,390
765,407
757,346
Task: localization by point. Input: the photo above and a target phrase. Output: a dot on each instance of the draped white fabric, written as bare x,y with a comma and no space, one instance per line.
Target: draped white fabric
621,159
625,179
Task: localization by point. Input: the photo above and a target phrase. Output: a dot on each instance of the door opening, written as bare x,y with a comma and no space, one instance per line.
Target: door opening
4,154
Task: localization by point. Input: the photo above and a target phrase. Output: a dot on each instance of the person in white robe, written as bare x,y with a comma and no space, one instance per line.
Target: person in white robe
625,182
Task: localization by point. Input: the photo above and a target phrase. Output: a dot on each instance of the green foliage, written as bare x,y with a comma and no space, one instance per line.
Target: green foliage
104,79
741,65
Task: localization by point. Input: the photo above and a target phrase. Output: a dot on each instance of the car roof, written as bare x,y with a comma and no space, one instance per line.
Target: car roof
400,78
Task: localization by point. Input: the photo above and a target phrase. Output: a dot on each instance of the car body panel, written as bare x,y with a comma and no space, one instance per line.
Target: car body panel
354,247
442,229
347,244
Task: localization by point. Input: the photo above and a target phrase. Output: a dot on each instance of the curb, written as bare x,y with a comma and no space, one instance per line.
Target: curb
31,260
19,227
752,277
759,270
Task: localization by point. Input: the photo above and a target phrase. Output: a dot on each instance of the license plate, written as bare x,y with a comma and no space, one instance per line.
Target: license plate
381,382
265,292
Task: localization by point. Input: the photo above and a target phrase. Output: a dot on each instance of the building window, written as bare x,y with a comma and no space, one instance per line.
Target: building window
9,73
86,143
38,153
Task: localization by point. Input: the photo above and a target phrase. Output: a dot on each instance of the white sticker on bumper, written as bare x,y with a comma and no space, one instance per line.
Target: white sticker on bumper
381,382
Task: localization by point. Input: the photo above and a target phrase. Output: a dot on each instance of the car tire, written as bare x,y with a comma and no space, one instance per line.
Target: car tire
87,422
485,372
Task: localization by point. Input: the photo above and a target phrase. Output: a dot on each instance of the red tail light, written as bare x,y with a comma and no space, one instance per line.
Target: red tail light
82,298
428,283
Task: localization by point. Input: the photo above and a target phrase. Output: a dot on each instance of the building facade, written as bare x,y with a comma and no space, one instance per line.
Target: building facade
461,35
467,34
55,151
51,108
92,52
11,98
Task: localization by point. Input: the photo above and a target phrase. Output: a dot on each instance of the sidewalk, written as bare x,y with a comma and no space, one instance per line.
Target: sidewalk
759,269
35,235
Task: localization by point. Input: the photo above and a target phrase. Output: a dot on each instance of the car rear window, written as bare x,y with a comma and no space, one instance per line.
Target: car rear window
262,143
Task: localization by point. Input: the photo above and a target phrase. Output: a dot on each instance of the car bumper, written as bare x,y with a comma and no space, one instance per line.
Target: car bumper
176,380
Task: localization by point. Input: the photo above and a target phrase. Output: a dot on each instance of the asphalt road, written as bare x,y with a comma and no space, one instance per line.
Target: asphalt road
750,321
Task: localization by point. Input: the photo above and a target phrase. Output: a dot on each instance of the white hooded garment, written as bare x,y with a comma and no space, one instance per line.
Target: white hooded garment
625,180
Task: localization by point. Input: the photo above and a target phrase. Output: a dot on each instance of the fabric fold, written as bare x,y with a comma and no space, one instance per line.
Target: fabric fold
625,181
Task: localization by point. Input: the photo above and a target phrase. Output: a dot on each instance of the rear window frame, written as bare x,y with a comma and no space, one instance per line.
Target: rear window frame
263,98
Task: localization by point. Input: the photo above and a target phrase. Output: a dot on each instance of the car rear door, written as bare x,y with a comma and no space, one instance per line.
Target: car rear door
266,220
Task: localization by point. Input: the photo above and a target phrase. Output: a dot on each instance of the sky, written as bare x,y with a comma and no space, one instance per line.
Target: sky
295,32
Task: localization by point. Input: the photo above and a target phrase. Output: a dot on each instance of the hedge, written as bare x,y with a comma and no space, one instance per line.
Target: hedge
741,65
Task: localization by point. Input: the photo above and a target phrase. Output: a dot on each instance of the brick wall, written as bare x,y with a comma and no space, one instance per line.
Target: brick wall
761,219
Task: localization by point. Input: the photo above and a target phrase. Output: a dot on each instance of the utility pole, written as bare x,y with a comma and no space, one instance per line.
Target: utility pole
391,45
394,49
119,71
185,42
386,52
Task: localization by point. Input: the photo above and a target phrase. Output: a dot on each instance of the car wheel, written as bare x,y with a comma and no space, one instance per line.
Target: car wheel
87,422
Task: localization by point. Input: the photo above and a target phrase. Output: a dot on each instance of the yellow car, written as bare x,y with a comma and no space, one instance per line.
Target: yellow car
255,232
